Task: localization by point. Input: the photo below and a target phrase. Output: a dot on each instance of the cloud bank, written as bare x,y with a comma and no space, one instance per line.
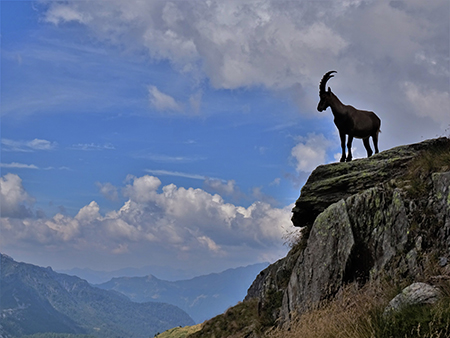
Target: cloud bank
388,53
185,224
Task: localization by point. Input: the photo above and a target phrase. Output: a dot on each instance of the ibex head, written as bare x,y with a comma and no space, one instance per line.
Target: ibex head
323,94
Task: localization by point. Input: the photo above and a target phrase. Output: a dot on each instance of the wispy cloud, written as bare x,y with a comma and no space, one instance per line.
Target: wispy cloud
92,146
162,158
281,126
27,146
59,168
16,165
175,173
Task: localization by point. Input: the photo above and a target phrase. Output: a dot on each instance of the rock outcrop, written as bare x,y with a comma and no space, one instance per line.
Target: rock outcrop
330,183
367,219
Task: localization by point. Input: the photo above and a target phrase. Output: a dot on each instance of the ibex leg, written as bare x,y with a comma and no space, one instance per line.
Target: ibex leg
367,146
349,148
375,141
342,136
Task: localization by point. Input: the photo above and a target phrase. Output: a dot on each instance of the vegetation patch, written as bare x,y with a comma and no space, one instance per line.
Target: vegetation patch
358,313
238,321
421,321
434,159
180,332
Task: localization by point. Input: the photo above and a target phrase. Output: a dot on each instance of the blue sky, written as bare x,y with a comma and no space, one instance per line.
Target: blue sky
179,133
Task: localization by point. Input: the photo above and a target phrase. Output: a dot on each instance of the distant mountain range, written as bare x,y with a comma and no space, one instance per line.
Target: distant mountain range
36,299
201,297
98,277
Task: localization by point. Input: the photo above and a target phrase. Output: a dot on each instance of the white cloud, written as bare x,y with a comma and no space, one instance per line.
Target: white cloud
89,212
14,200
92,146
234,43
41,144
59,13
27,146
227,188
175,173
161,101
143,188
173,221
58,230
163,158
310,152
210,244
18,165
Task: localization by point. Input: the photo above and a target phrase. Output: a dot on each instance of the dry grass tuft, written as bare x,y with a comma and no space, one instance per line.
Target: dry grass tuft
352,314
358,313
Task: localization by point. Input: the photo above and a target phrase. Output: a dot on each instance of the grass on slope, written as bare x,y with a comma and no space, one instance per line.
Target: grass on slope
180,332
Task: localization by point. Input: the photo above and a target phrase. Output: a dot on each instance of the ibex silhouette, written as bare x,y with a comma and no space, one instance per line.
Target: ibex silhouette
349,120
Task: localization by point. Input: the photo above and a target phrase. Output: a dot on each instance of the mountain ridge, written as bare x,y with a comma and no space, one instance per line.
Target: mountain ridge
37,299
202,297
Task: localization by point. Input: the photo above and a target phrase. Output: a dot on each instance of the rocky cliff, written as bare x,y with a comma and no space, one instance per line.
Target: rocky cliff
383,217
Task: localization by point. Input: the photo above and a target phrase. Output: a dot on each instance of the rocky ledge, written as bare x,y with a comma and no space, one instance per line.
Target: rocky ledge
367,219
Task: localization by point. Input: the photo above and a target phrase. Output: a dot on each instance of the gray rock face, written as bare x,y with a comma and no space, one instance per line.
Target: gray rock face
365,224
415,294
329,183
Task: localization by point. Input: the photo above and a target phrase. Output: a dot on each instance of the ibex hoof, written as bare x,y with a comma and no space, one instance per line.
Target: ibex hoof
348,159
342,159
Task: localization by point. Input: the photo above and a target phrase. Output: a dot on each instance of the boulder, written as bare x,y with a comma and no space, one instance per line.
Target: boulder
415,294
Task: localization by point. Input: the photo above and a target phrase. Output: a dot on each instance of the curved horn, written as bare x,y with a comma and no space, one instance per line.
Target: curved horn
324,80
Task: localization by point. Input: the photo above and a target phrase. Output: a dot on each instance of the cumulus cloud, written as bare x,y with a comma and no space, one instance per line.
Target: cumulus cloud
143,189
169,219
310,152
227,188
14,200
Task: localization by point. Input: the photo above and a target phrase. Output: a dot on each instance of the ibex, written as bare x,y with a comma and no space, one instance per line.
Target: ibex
349,120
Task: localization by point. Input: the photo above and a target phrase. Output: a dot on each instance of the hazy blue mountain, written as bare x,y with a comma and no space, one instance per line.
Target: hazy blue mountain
36,299
98,277
201,297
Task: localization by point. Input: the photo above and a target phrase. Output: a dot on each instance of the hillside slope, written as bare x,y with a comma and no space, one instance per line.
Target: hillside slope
36,299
